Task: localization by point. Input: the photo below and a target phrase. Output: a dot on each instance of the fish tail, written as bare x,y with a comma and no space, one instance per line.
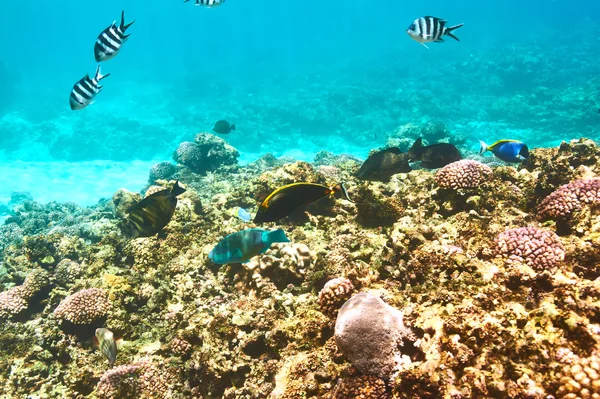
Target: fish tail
123,25
450,29
276,236
99,75
233,127
177,189
482,147
416,150
340,191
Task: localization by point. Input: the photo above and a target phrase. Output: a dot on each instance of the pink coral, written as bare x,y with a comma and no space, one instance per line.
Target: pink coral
540,249
463,174
16,299
334,294
140,380
568,198
84,307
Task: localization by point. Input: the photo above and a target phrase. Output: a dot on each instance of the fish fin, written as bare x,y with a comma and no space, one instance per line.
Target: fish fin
124,26
177,189
482,147
233,127
341,192
99,75
415,151
440,40
450,29
275,236
424,45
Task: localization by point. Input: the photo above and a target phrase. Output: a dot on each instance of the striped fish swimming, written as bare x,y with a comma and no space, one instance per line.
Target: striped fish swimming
207,3
111,40
430,30
85,90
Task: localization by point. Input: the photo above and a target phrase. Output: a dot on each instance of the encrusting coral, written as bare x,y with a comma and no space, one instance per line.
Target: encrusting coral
473,293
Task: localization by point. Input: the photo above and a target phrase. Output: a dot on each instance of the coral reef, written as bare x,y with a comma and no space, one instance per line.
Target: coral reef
570,198
206,154
418,290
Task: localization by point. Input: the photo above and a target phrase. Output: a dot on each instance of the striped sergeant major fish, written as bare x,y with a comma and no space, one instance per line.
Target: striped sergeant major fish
111,39
430,30
85,90
207,3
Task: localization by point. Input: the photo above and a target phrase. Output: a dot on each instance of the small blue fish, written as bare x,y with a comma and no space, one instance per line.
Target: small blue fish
506,150
240,247
243,214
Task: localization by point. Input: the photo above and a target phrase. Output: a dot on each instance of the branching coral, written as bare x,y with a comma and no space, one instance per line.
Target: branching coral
84,307
16,300
570,198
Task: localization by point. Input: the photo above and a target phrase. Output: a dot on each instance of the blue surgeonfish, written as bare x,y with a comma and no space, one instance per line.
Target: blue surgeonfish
506,150
240,247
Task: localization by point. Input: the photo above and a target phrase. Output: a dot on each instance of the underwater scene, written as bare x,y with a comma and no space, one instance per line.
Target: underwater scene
286,200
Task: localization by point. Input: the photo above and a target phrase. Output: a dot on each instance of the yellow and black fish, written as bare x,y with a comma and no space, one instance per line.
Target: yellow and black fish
154,212
285,200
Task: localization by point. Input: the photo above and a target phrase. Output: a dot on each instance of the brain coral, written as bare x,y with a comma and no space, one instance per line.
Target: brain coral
568,198
463,174
540,249
334,293
580,379
84,307
16,299
370,334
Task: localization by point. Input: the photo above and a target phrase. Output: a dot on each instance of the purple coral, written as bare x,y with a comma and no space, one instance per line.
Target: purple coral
16,299
463,174
568,198
84,307
540,249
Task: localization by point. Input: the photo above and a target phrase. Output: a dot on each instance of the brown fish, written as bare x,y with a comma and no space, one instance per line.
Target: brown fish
153,213
382,165
437,155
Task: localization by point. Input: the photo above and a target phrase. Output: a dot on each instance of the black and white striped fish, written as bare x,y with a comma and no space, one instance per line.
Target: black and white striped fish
85,90
207,3
111,39
430,29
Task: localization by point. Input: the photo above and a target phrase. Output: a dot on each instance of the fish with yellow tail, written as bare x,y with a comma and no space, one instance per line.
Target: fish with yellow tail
506,150
285,200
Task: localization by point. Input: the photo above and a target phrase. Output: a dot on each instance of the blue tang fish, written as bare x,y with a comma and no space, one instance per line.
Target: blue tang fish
506,150
243,214
240,247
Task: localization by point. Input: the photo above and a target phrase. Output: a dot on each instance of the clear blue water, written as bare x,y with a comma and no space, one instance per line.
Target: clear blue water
296,77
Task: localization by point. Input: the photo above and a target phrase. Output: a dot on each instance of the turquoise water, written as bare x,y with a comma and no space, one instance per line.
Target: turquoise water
295,77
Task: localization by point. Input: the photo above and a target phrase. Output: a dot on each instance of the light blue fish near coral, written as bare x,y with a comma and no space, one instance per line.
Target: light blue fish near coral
243,214
240,247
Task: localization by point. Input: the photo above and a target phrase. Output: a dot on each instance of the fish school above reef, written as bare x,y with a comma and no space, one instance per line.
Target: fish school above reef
475,280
